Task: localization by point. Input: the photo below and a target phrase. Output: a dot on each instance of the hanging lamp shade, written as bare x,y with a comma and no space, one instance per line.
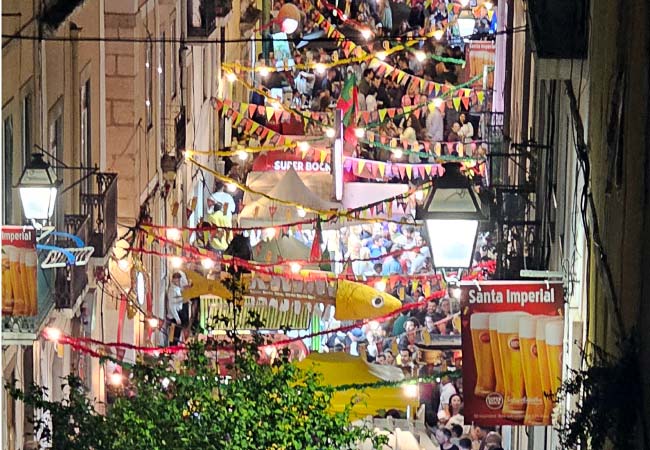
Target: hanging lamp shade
38,187
289,18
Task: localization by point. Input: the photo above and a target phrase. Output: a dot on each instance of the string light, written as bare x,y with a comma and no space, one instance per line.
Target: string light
176,262
330,133
303,146
411,390
397,153
123,264
115,379
295,267
320,68
173,234
231,187
366,33
207,263
438,34
264,72
52,334
153,322
437,102
420,55
488,5
301,212
419,195
359,132
381,55
464,3
231,77
270,232
165,383
242,155
159,70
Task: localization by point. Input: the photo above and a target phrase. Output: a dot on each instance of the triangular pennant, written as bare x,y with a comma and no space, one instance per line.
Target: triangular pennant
269,113
360,165
480,96
409,171
323,156
251,110
382,114
465,101
427,169
456,101
382,168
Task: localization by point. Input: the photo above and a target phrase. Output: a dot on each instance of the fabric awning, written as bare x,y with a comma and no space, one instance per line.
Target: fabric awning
309,189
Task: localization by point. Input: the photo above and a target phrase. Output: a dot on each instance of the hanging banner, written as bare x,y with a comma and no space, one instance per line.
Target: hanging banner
283,161
512,334
479,54
19,261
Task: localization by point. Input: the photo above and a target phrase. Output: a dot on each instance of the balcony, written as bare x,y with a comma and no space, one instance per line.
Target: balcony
100,205
71,281
202,16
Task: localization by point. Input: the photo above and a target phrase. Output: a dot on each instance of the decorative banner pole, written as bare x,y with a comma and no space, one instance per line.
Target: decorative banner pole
337,155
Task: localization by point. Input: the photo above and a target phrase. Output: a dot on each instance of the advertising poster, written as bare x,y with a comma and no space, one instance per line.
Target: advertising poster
512,335
479,54
19,260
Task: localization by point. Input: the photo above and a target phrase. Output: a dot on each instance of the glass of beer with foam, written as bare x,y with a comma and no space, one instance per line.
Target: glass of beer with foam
496,354
514,404
480,330
530,365
554,337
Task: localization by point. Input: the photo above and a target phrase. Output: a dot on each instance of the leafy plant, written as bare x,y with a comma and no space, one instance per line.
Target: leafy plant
609,399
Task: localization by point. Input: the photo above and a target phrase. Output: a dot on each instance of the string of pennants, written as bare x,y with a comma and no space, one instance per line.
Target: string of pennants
423,149
265,134
277,113
387,170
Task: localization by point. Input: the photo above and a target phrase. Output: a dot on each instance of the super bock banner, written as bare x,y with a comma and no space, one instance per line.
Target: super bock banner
512,351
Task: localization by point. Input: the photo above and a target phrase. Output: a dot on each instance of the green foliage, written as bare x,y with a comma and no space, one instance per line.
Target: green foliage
275,406
609,399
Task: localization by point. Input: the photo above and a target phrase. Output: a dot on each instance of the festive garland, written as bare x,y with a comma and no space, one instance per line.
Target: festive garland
326,215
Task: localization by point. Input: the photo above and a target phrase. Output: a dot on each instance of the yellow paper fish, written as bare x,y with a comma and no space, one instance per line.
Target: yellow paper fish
352,300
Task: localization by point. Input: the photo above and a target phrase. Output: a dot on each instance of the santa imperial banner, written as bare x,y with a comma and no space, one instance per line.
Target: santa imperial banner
512,334
19,263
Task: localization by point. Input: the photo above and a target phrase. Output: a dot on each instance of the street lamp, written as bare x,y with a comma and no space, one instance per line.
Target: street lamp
289,18
451,214
38,187
466,23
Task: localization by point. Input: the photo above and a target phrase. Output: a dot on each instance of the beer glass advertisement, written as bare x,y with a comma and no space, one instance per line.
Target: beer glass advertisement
512,335
19,296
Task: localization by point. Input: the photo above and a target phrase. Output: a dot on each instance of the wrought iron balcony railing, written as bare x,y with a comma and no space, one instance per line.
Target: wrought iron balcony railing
71,281
100,205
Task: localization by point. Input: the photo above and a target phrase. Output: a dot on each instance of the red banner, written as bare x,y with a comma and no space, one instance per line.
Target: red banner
19,263
277,161
512,334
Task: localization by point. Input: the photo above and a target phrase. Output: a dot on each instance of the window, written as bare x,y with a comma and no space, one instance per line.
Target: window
162,70
174,57
27,127
148,75
56,148
7,169
206,74
86,150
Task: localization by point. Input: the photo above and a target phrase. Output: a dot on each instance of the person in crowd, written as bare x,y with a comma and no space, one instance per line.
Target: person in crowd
410,336
435,126
406,362
365,85
391,266
377,250
447,389
456,433
380,92
492,441
407,240
455,405
453,135
400,323
390,358
465,444
177,309
377,269
364,266
478,434
420,259
222,236
466,131
380,359
443,436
